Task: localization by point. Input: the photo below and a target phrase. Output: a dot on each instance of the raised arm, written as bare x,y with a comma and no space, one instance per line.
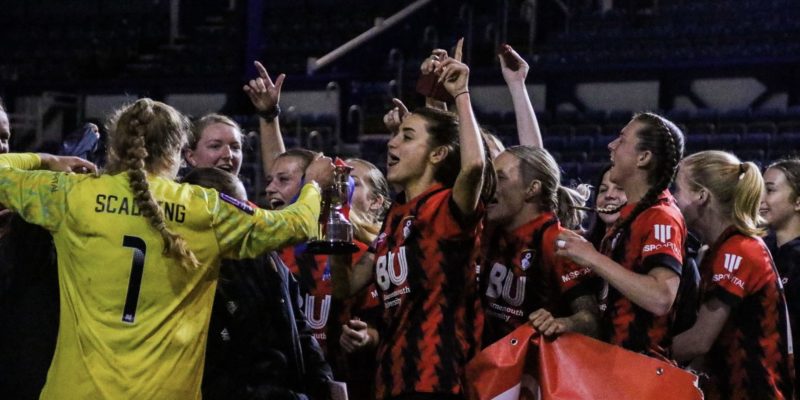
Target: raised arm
265,96
515,71
428,66
467,188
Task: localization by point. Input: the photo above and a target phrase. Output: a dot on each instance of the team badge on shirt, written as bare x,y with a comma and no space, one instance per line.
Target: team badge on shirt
526,259
407,223
662,232
732,262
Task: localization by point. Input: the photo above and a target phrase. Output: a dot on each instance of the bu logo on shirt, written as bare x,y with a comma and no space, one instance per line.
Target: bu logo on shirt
663,232
316,320
732,262
501,283
392,268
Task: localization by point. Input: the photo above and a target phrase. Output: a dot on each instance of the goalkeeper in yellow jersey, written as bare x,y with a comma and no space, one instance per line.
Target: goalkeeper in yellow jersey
139,255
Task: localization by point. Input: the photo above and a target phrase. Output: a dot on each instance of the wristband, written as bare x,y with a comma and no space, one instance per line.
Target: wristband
456,96
270,114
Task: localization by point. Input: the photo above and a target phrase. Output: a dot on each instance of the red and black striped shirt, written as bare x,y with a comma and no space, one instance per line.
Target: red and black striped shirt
314,275
426,277
654,239
520,273
751,357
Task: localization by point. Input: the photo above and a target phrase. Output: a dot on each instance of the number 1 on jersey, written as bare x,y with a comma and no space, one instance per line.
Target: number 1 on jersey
135,283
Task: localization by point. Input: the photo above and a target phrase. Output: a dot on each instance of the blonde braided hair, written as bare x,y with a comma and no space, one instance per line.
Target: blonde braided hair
167,130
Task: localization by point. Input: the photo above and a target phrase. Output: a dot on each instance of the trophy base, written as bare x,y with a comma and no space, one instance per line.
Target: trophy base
324,247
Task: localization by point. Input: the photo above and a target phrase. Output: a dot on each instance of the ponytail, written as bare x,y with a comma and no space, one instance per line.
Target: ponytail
569,200
747,200
736,186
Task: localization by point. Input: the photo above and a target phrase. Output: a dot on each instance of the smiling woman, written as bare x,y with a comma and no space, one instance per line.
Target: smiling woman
216,141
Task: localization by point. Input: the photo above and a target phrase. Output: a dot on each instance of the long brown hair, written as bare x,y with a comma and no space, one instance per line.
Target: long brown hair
147,136
442,127
665,141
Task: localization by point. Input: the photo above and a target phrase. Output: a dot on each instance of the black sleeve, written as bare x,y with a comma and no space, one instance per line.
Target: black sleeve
662,260
726,297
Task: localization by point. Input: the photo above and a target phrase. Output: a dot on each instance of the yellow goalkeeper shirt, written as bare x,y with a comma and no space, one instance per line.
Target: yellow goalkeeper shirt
133,321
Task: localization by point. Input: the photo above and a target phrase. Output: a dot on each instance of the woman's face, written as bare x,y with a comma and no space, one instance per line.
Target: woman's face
688,200
284,181
364,200
220,146
5,132
510,194
408,152
609,195
624,155
780,204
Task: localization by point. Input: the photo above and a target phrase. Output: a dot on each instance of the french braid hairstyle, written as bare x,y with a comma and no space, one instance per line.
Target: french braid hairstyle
737,186
147,136
665,141
537,164
443,130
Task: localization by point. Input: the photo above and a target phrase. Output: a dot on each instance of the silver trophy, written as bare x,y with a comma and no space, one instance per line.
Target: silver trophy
335,235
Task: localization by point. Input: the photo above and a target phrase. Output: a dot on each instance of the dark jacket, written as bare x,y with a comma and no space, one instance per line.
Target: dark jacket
28,308
259,345
787,260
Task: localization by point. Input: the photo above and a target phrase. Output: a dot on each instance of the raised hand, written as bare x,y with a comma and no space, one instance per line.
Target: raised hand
428,65
513,66
263,92
394,117
454,75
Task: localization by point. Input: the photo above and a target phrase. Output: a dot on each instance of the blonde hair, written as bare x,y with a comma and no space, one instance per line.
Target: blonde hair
368,225
204,122
737,186
537,164
148,136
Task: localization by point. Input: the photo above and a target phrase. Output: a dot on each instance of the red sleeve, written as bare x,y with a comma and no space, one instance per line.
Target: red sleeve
737,270
660,231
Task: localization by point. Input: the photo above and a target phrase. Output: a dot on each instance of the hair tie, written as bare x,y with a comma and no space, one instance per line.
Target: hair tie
742,170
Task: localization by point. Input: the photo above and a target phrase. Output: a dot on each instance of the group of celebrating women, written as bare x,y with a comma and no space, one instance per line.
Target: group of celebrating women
479,240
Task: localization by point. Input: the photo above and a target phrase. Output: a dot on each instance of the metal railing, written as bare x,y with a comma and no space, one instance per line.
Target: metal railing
315,64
